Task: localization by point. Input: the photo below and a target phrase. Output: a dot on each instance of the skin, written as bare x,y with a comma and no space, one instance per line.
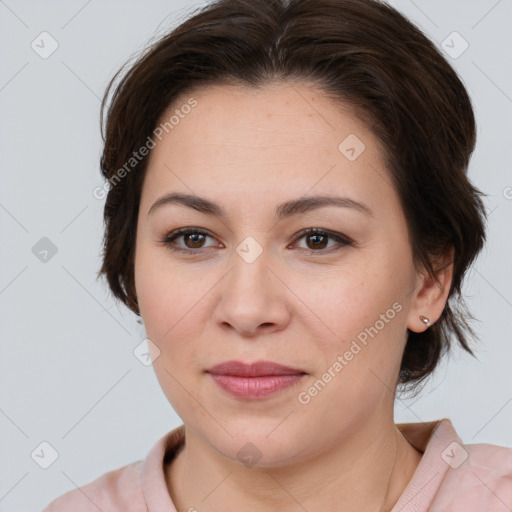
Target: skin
249,150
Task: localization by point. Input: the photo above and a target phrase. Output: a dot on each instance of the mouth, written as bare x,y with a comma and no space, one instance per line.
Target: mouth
255,380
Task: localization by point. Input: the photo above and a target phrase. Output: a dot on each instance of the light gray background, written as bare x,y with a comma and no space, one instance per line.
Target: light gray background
68,374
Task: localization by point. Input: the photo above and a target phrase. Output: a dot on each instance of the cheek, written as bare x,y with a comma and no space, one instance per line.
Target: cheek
342,300
359,313
169,297
157,291
360,359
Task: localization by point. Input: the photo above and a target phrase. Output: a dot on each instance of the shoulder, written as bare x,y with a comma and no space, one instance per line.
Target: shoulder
490,456
480,479
454,476
131,488
116,490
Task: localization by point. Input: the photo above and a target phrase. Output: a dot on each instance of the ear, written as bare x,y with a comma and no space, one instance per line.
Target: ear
430,295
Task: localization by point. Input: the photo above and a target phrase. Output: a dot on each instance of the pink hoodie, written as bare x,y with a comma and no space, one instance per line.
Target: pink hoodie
451,477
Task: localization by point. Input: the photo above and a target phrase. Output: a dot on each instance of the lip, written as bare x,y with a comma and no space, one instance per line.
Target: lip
256,369
256,380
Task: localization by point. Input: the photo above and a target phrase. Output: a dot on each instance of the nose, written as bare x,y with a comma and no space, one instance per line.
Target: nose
253,298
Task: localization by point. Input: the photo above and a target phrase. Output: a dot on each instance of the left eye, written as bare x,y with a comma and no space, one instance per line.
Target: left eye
195,236
319,240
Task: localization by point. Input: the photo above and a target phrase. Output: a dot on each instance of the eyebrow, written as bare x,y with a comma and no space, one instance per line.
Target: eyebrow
284,210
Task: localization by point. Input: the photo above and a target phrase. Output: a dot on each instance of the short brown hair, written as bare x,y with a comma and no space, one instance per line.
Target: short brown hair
361,52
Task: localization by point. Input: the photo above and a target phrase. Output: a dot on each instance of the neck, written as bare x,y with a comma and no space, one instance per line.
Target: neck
366,472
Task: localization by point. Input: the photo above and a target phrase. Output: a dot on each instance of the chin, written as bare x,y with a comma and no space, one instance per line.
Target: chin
256,444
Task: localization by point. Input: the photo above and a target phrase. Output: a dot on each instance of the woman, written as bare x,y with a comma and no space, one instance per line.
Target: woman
289,213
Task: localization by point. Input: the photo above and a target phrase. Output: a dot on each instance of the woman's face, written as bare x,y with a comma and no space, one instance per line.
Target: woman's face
254,289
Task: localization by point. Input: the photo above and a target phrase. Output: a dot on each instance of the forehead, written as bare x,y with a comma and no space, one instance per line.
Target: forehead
289,112
281,139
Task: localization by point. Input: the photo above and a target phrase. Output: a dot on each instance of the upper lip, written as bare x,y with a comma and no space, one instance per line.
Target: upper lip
256,369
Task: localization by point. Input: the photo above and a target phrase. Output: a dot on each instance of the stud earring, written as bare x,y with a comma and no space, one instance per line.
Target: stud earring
425,320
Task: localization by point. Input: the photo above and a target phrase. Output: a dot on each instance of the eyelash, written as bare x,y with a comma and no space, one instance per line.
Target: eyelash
167,241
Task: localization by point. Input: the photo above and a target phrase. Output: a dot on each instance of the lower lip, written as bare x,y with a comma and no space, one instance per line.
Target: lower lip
255,387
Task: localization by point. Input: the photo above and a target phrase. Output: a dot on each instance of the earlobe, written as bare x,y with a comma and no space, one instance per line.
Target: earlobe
425,320
431,295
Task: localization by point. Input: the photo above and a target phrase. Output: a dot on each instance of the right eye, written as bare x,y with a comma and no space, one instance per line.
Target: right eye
192,237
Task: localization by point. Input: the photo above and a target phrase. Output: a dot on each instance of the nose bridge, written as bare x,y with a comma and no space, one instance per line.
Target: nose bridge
250,262
251,295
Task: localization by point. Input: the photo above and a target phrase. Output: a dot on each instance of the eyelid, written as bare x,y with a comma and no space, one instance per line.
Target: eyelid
339,238
173,235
